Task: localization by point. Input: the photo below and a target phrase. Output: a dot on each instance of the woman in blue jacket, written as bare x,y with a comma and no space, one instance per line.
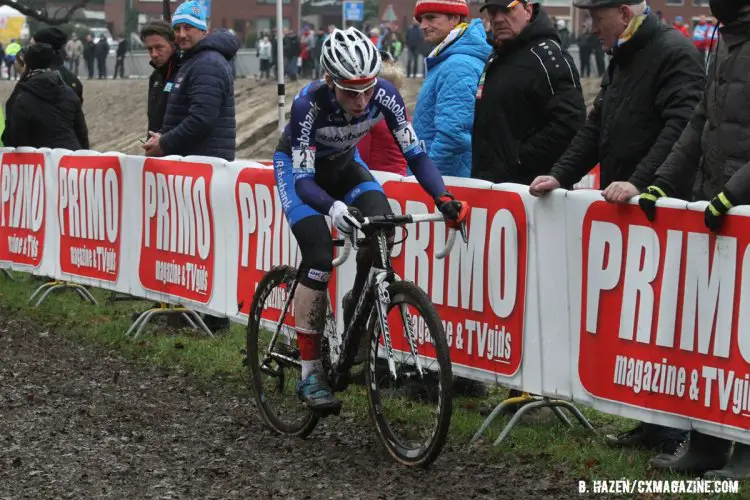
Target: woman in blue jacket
445,107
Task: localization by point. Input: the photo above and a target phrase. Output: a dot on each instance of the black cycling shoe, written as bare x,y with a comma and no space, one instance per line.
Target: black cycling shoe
316,394
649,436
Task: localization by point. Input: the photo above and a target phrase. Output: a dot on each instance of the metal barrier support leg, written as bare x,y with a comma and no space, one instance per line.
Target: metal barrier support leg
525,398
51,286
10,276
532,403
193,319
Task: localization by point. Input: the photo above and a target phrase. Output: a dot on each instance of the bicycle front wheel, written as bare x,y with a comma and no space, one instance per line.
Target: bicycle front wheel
412,411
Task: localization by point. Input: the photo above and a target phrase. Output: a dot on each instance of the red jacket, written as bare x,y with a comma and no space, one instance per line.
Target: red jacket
379,150
682,29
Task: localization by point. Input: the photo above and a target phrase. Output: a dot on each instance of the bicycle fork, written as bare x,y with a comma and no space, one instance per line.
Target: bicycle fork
381,306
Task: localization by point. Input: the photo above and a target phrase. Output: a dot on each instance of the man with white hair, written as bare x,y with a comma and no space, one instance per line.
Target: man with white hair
651,87
653,83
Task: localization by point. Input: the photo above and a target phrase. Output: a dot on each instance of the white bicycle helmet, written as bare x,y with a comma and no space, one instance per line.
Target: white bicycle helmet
350,58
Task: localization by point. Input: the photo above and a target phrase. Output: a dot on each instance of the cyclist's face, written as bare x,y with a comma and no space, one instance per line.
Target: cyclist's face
354,103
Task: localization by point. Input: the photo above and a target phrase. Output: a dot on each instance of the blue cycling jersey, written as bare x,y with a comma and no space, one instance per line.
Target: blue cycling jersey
320,129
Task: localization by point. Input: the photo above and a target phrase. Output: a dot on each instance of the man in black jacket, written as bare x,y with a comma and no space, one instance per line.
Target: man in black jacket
653,84
529,104
122,50
651,87
55,38
158,36
45,112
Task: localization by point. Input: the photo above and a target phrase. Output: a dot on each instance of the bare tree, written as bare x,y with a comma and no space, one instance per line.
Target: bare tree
61,15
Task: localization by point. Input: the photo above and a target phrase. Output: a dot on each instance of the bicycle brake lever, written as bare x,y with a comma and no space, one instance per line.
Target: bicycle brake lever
464,235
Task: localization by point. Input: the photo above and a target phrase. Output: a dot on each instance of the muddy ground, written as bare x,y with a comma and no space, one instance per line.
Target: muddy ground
116,113
76,422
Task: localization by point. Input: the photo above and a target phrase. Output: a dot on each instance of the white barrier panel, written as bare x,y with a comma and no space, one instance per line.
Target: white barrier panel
662,322
25,244
565,296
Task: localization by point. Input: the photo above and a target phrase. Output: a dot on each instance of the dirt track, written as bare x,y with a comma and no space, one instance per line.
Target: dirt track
116,113
77,423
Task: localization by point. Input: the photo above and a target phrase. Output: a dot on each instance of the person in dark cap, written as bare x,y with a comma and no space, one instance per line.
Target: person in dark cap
45,112
56,39
529,104
653,83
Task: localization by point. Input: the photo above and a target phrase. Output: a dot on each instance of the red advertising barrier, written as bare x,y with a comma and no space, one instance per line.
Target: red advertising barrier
22,208
177,244
89,207
480,288
661,324
266,240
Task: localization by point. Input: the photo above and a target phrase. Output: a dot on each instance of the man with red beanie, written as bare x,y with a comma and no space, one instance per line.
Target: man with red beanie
444,113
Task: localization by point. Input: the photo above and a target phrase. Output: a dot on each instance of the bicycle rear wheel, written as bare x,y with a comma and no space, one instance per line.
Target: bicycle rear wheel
274,379
412,413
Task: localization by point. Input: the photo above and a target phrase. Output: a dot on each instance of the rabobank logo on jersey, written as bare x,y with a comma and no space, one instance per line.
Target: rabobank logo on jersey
306,125
390,103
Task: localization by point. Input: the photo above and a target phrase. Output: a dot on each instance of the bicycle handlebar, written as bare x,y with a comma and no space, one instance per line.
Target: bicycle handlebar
388,221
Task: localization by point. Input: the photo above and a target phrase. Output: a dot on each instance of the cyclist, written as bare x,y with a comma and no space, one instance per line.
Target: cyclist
318,171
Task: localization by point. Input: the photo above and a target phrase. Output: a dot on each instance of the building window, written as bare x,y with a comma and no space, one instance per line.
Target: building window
678,2
700,3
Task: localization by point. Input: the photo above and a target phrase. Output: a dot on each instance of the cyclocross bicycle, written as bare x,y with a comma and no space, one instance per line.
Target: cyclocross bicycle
408,373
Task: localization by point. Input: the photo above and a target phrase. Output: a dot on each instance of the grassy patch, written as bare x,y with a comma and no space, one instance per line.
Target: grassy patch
547,443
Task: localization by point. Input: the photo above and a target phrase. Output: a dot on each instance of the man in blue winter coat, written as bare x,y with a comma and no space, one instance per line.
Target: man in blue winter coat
445,107
200,114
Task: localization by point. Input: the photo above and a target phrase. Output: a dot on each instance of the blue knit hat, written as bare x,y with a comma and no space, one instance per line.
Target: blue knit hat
191,13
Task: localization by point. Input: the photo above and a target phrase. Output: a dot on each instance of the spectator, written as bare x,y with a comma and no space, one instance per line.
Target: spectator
714,146
681,26
73,52
563,33
655,81
45,113
378,149
89,54
413,42
101,52
292,50
158,37
530,104
122,50
265,54
445,106
57,40
10,57
320,36
587,41
396,46
701,35
200,114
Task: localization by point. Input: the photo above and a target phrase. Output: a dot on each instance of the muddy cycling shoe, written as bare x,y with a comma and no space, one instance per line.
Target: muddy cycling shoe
349,303
316,394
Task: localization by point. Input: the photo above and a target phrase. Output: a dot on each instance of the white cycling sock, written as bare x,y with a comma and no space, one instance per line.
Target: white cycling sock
311,366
